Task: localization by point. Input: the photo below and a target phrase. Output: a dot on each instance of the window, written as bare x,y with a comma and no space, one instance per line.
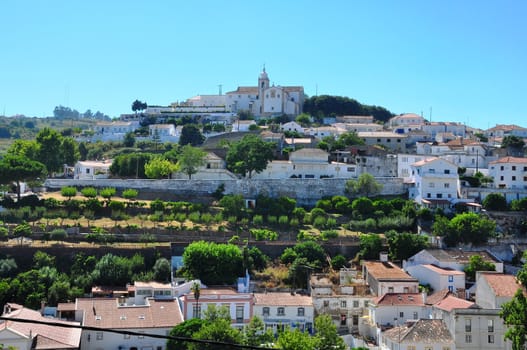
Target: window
439,195
366,303
239,313
447,185
428,195
266,311
447,171
525,168
355,303
514,178
401,314
406,290
301,311
390,289
501,178
502,168
98,335
432,171
280,311
490,324
490,338
355,320
159,348
513,167
468,325
468,338
326,303
450,278
431,185
87,171
416,316
342,320
343,303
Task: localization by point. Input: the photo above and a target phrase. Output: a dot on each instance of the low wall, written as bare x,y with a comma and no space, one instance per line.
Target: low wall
305,191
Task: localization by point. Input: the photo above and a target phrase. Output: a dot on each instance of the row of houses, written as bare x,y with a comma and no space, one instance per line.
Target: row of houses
378,305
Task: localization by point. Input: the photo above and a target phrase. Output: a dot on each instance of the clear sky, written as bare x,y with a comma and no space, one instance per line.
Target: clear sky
463,61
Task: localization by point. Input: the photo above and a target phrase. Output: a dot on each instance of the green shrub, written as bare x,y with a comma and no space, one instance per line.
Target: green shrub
257,220
283,221
368,225
68,191
320,222
89,192
272,220
58,234
263,234
194,216
328,234
331,223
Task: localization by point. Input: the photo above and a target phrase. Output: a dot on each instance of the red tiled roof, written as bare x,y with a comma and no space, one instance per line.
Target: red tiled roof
386,270
390,299
47,336
502,285
510,160
443,271
106,313
451,302
282,299
422,331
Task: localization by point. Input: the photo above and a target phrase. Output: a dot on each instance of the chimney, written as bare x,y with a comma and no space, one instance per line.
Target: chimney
383,256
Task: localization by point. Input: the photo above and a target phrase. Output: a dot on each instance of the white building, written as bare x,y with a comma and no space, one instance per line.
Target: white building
509,172
242,125
501,130
292,126
406,121
281,310
240,304
114,131
435,181
390,140
404,165
265,99
434,128
438,278
92,169
455,259
307,163
324,131
162,130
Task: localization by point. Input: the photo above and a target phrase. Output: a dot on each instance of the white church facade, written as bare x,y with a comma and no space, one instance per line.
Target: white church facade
263,100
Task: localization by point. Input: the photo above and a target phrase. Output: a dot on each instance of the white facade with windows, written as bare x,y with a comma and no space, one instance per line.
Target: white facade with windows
438,278
282,310
92,169
434,179
509,173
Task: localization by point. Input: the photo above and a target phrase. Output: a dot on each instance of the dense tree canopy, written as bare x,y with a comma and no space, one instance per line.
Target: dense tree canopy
495,201
464,228
364,186
190,134
514,314
213,263
250,154
159,168
326,106
130,165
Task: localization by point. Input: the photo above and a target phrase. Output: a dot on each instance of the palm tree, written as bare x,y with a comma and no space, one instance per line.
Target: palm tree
196,289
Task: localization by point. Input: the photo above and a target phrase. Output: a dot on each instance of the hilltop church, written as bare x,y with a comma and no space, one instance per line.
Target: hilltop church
264,100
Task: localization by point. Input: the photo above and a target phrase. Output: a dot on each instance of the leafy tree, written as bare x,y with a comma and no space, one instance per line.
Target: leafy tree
69,151
519,204
404,245
130,165
158,168
365,185
185,329
464,228
26,148
138,106
8,267
50,150
495,201
233,205
476,263
327,337
303,119
255,334
162,270
213,263
312,251
18,169
190,134
250,154
220,331
299,272
370,246
514,145
129,139
363,206
113,270
295,340
42,259
190,159
68,191
514,315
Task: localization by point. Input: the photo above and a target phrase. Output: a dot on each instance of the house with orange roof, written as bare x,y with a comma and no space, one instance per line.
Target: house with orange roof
281,310
494,288
385,277
156,316
29,336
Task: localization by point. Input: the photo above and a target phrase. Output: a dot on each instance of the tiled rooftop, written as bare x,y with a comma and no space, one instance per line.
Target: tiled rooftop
422,331
282,299
386,270
502,285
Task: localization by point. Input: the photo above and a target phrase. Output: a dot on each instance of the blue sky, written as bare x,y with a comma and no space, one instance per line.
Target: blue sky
463,61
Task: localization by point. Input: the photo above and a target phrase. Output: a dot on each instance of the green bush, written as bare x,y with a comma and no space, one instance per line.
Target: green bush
320,222
89,192
272,220
368,225
58,234
194,216
331,223
328,234
68,191
257,220
263,234
283,221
